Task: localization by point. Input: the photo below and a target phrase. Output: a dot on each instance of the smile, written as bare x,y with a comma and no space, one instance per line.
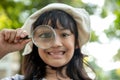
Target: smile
56,54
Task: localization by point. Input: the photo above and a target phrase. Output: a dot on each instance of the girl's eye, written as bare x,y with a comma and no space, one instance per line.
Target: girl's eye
65,35
45,35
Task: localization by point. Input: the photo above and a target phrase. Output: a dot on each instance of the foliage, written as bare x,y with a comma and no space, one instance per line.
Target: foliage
104,12
117,56
13,13
114,30
91,8
115,74
94,37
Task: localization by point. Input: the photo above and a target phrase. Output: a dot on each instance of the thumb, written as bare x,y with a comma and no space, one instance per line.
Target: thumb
24,42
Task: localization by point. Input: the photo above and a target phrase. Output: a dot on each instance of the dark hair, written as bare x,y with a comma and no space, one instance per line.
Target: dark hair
34,66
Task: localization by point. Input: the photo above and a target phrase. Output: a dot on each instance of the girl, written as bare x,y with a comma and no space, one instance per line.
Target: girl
63,60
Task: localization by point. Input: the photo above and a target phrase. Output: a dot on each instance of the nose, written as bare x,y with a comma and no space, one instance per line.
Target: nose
57,42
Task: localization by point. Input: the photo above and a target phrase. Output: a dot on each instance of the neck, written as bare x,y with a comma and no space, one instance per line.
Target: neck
56,73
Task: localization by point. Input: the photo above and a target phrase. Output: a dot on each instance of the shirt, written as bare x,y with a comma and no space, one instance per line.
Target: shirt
16,77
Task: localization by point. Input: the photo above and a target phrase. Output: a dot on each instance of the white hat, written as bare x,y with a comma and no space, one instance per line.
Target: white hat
79,15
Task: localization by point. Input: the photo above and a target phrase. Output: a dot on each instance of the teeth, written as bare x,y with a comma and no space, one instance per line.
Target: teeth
56,53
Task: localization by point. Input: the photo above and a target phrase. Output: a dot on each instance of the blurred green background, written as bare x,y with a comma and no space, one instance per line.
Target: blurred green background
13,14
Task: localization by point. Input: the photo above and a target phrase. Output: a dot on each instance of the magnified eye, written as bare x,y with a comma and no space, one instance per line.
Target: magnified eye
45,35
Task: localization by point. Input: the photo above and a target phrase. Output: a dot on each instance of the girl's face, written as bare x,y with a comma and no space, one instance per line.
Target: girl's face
61,51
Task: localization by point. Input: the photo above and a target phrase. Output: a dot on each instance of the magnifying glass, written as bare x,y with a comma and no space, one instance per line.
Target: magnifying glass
43,36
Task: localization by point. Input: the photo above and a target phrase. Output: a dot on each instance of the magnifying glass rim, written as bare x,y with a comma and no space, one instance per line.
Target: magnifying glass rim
40,27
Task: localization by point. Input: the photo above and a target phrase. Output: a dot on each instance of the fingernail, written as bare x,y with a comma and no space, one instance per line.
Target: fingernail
22,35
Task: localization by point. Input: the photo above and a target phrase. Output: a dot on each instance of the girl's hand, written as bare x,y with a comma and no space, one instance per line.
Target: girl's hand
10,40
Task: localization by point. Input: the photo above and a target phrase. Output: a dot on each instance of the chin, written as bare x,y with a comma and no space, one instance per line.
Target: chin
57,65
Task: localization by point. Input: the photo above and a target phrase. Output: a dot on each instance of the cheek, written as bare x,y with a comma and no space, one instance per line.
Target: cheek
70,45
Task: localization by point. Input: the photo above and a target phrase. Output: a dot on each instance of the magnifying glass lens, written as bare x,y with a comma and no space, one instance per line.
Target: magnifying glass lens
43,36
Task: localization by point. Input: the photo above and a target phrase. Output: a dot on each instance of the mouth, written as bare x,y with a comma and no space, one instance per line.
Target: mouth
56,54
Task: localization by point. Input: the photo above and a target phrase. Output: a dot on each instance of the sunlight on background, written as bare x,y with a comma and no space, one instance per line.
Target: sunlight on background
105,49
97,2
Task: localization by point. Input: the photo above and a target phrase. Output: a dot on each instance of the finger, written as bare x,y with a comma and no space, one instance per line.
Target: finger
23,43
6,34
26,41
20,34
2,33
19,31
23,34
12,36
